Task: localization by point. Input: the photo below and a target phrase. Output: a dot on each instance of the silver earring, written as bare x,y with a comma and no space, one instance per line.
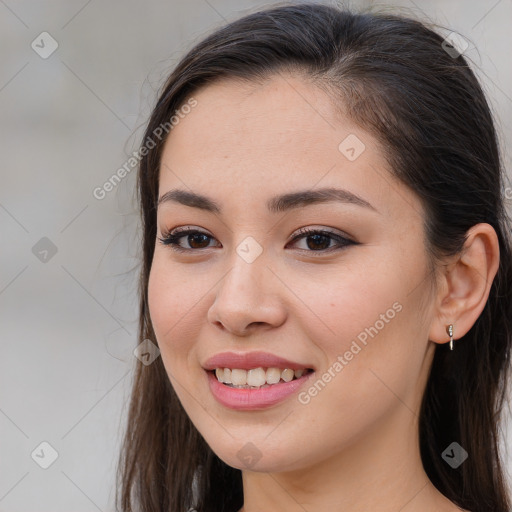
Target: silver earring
449,330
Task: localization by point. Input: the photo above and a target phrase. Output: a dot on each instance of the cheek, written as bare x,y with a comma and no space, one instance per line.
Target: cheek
362,326
354,302
363,319
174,299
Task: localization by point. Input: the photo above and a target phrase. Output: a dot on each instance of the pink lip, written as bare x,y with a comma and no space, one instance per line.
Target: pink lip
249,360
253,399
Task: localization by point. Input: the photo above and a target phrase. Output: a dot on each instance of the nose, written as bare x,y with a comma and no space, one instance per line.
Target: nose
248,298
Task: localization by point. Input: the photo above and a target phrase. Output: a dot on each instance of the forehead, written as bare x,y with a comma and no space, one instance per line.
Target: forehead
283,126
249,118
279,135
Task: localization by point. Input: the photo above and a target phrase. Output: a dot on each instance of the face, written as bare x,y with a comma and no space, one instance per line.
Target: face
346,305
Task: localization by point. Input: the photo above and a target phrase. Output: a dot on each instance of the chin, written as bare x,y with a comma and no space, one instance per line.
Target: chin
257,456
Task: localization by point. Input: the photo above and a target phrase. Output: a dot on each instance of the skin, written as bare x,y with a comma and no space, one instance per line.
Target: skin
354,446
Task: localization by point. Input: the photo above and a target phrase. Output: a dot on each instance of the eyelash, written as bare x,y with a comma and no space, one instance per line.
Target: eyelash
171,239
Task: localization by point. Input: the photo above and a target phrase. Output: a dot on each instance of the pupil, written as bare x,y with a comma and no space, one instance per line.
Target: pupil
205,237
317,237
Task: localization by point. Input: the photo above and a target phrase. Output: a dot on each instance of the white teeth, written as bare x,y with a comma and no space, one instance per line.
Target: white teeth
287,375
256,377
238,377
273,375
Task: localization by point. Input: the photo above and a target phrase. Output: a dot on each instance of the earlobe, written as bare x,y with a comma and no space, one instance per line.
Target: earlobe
466,285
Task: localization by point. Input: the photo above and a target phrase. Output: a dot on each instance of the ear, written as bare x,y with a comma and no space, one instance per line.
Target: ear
464,284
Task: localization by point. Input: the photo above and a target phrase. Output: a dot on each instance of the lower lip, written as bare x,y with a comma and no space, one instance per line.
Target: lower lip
251,399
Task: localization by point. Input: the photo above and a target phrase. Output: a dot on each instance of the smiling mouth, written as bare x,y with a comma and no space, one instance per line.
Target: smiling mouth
257,378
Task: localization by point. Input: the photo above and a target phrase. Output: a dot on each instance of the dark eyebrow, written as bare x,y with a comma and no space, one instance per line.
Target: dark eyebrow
276,204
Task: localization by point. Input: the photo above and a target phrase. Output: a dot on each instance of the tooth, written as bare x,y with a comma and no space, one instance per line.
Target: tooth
256,377
273,375
238,377
287,375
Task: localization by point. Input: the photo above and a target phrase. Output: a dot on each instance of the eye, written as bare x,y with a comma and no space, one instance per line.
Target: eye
195,238
317,240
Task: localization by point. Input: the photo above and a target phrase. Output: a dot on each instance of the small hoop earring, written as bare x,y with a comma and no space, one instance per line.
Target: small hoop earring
449,330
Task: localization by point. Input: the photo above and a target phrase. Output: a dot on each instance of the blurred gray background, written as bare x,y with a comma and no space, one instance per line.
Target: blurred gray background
68,261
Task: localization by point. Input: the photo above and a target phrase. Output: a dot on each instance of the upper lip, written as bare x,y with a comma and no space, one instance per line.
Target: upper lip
250,360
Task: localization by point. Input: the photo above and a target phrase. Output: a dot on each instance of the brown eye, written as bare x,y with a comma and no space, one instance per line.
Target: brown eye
196,239
316,240
320,240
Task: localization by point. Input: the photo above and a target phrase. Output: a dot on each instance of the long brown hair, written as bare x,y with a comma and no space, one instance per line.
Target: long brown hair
394,77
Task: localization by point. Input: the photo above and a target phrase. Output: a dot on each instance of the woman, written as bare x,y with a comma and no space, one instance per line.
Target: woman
326,271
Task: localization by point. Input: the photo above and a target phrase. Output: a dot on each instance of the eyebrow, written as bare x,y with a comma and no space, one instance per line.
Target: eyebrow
276,204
